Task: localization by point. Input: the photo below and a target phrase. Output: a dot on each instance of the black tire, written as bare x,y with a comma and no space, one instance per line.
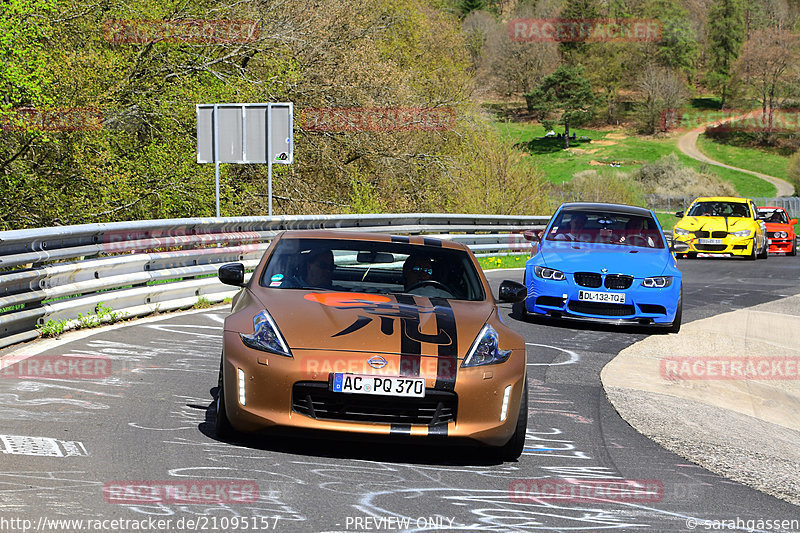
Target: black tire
222,426
765,252
676,322
753,253
691,255
793,251
511,450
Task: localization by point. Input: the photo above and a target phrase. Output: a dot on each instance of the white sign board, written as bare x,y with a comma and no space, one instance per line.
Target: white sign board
245,133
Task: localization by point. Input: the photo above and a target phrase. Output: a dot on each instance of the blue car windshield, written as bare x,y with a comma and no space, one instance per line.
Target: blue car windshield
606,228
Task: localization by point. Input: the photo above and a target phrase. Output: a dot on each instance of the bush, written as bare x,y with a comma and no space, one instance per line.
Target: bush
667,176
594,186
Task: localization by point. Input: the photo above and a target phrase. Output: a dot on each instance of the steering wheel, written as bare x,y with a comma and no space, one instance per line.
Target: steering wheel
431,283
637,240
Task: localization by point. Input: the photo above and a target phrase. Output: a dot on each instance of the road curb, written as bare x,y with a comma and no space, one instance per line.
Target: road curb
741,428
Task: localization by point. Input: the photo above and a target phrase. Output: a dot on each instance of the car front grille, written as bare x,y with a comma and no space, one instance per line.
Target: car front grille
588,279
719,234
702,234
618,281
312,398
601,308
710,247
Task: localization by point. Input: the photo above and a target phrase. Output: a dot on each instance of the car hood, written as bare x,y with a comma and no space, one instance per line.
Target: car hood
375,323
728,224
778,226
638,262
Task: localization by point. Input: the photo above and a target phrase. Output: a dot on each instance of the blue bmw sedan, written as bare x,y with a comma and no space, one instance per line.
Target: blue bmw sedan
604,262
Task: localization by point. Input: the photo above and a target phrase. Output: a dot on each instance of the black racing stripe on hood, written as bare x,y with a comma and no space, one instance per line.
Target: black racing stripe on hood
400,429
400,238
438,429
410,348
447,363
431,242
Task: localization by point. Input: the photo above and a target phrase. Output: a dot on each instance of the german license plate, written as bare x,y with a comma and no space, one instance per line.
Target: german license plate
378,385
591,296
709,241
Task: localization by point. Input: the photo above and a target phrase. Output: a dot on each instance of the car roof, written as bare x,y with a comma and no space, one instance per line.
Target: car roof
721,199
417,240
614,208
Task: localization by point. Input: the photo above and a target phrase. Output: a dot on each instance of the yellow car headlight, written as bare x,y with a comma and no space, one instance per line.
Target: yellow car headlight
742,233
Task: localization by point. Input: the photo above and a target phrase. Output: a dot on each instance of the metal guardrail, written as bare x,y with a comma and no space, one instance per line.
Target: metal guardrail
143,267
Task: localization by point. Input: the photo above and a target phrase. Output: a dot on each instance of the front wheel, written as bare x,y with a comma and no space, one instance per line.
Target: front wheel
511,450
753,253
222,426
793,251
765,252
676,322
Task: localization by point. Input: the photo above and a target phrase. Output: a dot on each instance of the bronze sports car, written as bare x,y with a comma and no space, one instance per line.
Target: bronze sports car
372,334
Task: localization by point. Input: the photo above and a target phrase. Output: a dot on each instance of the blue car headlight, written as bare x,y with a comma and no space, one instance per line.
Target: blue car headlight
548,273
743,233
266,336
657,282
486,350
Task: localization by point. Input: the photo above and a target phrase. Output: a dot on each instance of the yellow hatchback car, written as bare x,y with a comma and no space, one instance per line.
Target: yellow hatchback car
721,226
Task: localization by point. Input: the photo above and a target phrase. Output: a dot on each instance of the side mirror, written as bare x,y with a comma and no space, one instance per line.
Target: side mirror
793,221
232,274
679,214
532,235
512,291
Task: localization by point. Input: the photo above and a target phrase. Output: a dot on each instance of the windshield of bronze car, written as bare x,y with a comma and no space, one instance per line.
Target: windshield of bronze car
372,267
605,227
719,209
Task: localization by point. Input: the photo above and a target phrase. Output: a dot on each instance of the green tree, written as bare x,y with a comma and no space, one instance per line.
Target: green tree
465,7
567,89
573,52
678,48
726,35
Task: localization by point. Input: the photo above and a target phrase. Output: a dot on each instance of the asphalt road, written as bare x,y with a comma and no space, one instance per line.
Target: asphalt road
151,420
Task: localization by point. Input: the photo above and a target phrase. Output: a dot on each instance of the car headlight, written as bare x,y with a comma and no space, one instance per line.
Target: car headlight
548,273
781,234
266,336
486,350
657,282
680,231
743,233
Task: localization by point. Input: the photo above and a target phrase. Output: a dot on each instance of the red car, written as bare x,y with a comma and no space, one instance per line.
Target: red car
780,230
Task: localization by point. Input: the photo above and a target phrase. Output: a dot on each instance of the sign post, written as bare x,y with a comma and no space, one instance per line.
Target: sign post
245,134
